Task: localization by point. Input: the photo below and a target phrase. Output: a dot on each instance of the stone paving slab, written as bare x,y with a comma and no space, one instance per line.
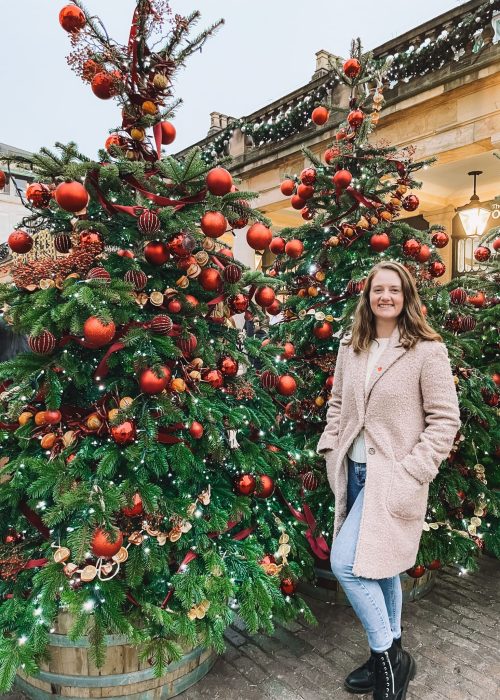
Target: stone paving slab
453,633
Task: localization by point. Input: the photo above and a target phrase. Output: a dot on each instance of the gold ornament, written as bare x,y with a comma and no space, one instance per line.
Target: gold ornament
137,134
113,414
126,401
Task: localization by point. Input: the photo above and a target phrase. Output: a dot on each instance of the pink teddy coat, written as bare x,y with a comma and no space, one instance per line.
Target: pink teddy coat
410,416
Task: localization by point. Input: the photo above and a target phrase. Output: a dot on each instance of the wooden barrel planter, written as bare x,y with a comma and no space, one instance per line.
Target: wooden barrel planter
69,672
327,587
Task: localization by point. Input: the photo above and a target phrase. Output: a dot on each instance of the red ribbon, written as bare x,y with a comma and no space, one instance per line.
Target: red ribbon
34,519
157,137
361,199
317,543
165,201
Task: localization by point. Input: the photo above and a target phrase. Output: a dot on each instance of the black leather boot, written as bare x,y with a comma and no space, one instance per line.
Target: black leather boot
362,680
394,669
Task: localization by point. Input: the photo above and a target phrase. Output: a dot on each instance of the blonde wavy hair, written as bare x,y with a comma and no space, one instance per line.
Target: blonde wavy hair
412,323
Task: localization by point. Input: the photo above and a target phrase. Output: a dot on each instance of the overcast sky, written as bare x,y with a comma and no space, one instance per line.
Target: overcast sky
265,50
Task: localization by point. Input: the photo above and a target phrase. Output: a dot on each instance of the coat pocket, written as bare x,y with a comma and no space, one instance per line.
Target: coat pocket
407,497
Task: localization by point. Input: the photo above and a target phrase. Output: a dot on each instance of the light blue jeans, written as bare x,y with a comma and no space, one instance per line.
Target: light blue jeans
376,602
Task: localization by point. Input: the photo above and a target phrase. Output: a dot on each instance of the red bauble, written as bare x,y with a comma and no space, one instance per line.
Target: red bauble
188,345
156,253
196,430
288,586
232,274
114,140
167,133
355,118
379,242
214,378
104,545
320,115
440,239
264,296
239,220
53,417
423,254
93,237
219,181
433,565
491,399
97,332
135,509
268,379
416,571
182,244
330,154
467,323
210,279
288,350
274,308
3,179
437,269
259,236
307,214
323,330
71,18
286,385
20,242
342,179
309,481
496,378
265,486
103,85
137,278
277,245
148,222
174,306
458,296
150,383
410,203
294,248
239,303
411,247
496,243
355,286
329,382
43,344
482,253
308,176
71,196
161,325
245,484
305,191
100,274
478,300
287,187
213,224
63,243
38,194
228,366
297,202
352,68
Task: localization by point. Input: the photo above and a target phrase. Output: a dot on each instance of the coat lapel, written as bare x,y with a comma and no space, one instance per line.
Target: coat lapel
359,361
392,353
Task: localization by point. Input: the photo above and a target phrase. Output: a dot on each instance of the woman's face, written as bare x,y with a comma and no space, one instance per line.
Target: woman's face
386,295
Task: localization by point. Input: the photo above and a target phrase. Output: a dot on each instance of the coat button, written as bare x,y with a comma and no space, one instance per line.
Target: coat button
371,450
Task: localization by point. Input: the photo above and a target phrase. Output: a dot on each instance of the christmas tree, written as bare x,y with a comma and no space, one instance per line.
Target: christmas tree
351,201
136,490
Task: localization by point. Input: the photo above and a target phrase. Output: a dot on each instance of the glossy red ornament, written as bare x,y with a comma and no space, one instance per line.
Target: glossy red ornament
351,68
150,383
42,344
264,296
182,244
196,430
440,239
458,296
323,330
355,286
71,196
188,344
259,236
53,417
3,179
100,274
433,565
232,273
379,242
265,486
238,303
341,135
228,366
308,176
309,481
168,133
496,243
288,586
214,378
355,118
97,332
174,306
423,254
297,202
274,309
245,484
91,238
63,243
219,181
416,571
329,382
277,245
71,18
496,378
330,154
286,385
161,325
288,350
305,191
482,253
478,300
342,179
114,140
268,379
287,187
38,194
294,248
156,253
210,279
137,278
320,115
437,269
239,220
148,222
410,203
213,224
104,545
103,85
135,509
411,247
490,398
307,214
20,242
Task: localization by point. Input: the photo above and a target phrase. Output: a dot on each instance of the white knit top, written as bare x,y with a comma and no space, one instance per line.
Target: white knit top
357,450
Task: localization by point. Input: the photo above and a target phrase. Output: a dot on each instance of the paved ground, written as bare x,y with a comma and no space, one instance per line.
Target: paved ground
453,633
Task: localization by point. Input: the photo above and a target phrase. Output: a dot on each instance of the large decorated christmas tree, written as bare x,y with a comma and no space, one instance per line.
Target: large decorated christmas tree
140,471
352,201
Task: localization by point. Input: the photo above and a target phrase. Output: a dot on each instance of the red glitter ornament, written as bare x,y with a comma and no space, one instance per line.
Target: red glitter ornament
104,85
238,303
87,238
330,154
228,366
411,247
308,176
288,586
245,484
104,545
410,203
482,253
38,194
114,140
355,118
351,68
214,378
437,269
440,239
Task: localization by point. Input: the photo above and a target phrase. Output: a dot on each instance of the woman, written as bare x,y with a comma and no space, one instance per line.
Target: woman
391,420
